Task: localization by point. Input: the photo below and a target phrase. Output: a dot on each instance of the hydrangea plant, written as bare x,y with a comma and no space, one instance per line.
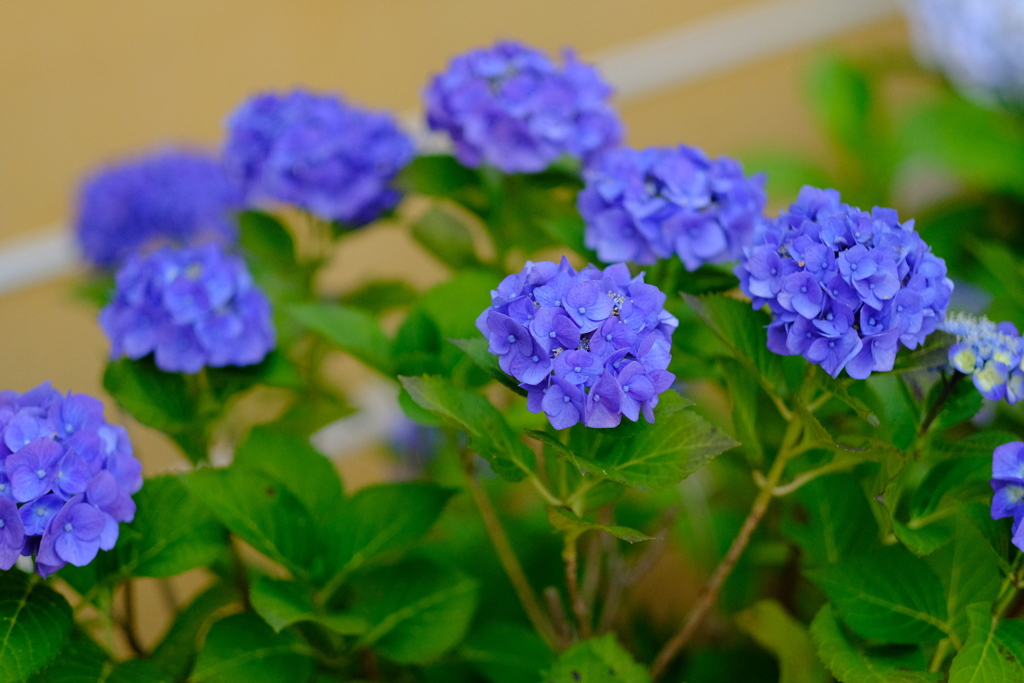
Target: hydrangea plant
863,526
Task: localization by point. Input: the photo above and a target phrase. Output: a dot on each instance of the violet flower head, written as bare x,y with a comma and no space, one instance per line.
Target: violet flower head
319,153
845,287
588,346
172,197
990,353
645,205
978,45
190,308
511,107
66,478
1008,486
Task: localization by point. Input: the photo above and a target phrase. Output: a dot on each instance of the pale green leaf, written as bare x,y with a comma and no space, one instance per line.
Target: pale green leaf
243,648
283,603
778,632
598,660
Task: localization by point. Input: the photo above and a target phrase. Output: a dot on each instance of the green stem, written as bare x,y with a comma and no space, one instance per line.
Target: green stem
506,555
709,593
940,655
579,607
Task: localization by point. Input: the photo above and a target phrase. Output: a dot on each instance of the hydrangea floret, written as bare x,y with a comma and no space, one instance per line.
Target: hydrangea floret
172,197
66,481
317,152
990,353
587,346
977,44
191,308
845,287
509,106
1008,486
645,205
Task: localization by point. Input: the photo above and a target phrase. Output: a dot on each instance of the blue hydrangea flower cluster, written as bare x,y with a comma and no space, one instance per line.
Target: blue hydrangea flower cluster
646,205
990,353
174,197
1008,486
510,107
67,478
191,308
979,45
845,286
319,153
590,346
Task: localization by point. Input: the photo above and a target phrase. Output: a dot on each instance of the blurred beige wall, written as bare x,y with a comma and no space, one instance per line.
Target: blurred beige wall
83,83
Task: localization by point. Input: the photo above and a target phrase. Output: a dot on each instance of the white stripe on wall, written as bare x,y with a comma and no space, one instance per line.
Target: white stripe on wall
637,69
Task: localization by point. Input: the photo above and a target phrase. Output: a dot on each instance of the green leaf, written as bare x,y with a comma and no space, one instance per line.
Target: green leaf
839,389
741,331
598,660
569,230
283,603
266,240
994,651
243,648
436,175
476,349
294,463
979,145
311,410
505,652
417,347
384,519
378,296
776,631
970,572
446,237
491,436
455,304
960,403
260,511
568,522
887,595
745,401
136,671
653,456
350,329
830,519
851,662
81,661
179,647
163,400
35,622
417,610
174,531
842,99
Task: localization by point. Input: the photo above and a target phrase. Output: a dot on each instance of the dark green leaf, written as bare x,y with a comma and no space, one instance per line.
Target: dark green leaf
598,660
136,671
568,522
417,610
839,389
260,511
851,662
378,296
505,652
569,230
830,519
81,661
311,410
350,329
970,572
179,647
283,603
887,595
491,436
384,519
994,651
476,349
842,100
446,237
243,648
778,632
960,401
745,397
35,622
